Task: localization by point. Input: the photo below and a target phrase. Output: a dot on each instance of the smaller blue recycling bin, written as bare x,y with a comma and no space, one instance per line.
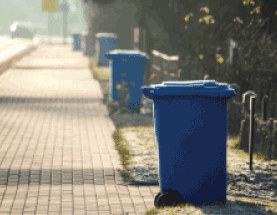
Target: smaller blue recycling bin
107,42
190,120
128,66
77,41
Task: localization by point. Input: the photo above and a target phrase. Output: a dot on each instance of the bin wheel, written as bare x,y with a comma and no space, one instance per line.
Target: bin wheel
156,199
169,198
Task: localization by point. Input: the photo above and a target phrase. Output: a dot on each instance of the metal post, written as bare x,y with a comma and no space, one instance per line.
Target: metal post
136,38
48,24
251,130
144,40
264,107
64,27
50,28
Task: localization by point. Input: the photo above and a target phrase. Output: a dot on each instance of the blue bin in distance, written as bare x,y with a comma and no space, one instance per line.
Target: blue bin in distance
77,41
128,66
190,121
107,42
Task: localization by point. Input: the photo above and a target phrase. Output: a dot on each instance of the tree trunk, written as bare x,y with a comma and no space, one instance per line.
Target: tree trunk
91,37
149,48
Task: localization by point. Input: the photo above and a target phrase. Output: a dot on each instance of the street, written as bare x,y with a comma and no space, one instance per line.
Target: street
57,153
6,41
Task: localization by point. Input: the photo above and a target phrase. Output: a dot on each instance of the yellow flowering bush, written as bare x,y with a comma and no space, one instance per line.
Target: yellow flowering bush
124,95
188,16
207,19
203,32
206,9
248,2
256,10
219,59
238,20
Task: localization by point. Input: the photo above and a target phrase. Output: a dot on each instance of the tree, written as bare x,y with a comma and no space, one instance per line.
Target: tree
196,39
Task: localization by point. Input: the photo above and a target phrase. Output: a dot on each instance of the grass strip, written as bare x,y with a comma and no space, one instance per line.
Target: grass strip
123,148
99,73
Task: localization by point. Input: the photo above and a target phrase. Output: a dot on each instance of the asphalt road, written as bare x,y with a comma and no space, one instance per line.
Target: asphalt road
6,41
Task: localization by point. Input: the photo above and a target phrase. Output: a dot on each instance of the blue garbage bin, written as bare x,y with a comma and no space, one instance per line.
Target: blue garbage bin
77,41
190,121
128,66
107,42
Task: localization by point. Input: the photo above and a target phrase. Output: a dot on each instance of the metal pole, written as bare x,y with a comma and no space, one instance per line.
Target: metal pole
64,27
251,133
48,24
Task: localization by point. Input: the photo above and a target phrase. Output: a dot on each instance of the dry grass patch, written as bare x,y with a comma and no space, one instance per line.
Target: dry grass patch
234,205
234,145
99,73
241,157
123,146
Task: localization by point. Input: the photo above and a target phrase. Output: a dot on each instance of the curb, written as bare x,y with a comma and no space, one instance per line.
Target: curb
10,56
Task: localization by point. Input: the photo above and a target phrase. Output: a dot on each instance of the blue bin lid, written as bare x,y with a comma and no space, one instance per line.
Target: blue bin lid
127,54
106,35
208,88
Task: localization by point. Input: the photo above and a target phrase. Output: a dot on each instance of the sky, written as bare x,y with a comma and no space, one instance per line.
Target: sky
31,10
72,5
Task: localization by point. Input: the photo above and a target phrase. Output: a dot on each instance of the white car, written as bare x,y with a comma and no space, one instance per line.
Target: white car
22,30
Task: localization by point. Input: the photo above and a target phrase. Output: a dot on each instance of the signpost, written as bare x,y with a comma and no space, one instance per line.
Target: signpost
50,6
64,10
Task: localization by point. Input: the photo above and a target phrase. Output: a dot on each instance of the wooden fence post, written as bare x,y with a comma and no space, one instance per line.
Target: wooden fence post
251,129
263,128
273,111
136,38
264,107
236,72
245,126
274,150
161,71
167,68
269,145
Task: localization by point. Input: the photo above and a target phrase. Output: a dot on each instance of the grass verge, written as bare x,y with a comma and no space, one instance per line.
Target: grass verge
245,203
235,145
121,146
99,73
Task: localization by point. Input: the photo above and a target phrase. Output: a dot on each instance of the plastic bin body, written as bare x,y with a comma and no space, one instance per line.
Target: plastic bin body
191,132
107,42
128,66
77,41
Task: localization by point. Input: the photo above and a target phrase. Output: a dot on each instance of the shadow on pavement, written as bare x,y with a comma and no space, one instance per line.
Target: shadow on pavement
41,100
59,177
125,120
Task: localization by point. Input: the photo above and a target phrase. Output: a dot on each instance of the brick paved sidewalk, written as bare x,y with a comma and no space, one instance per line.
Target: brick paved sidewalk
57,155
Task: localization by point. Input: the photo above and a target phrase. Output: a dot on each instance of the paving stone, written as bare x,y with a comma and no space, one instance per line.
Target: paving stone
52,111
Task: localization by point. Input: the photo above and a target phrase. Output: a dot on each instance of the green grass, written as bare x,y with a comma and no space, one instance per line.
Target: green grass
99,73
123,148
235,143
